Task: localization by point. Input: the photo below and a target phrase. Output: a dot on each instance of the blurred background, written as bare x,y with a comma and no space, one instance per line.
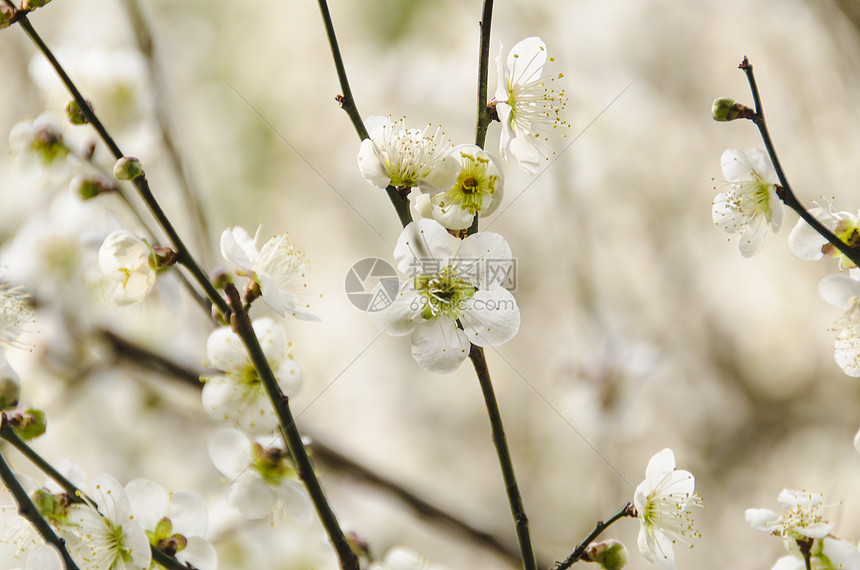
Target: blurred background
642,327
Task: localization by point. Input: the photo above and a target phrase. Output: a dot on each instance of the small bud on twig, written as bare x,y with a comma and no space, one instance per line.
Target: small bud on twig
31,5
7,15
75,114
28,424
91,186
610,554
725,109
127,168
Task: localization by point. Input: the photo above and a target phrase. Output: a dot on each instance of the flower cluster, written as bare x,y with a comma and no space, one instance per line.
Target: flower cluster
121,527
802,527
460,182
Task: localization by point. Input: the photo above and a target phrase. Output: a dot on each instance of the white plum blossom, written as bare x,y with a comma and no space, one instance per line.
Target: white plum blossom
451,281
262,478
111,538
39,140
528,104
400,558
15,315
406,158
802,520
751,203
844,292
478,189
806,243
278,268
663,501
175,523
238,394
129,263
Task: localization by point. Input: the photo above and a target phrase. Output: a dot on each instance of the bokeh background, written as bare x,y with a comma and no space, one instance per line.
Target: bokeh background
642,327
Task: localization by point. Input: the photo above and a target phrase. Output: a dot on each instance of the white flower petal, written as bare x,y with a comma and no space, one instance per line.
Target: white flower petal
421,242
439,346
229,450
238,248
200,553
491,318
251,496
148,501
805,242
188,513
295,502
839,290
400,317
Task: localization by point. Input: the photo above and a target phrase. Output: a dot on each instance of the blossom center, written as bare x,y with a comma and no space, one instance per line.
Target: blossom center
474,185
444,293
273,464
164,539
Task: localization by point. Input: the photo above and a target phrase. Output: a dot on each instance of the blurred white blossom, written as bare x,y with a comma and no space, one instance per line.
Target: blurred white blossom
400,558
801,520
844,292
450,280
129,263
663,501
528,104
238,395
262,477
751,203
45,557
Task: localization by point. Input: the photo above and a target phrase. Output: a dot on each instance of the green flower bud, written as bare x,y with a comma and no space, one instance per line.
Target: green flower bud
33,4
6,14
725,109
75,114
610,554
91,186
29,424
127,168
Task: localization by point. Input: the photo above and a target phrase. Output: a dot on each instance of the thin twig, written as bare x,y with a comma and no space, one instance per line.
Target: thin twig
484,120
786,193
242,326
521,521
579,551
75,495
347,103
28,510
190,194
141,183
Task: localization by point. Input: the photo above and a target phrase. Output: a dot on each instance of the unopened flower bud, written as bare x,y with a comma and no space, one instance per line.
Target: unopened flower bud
33,4
10,386
127,168
163,257
91,185
610,554
6,14
75,114
725,109
29,424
